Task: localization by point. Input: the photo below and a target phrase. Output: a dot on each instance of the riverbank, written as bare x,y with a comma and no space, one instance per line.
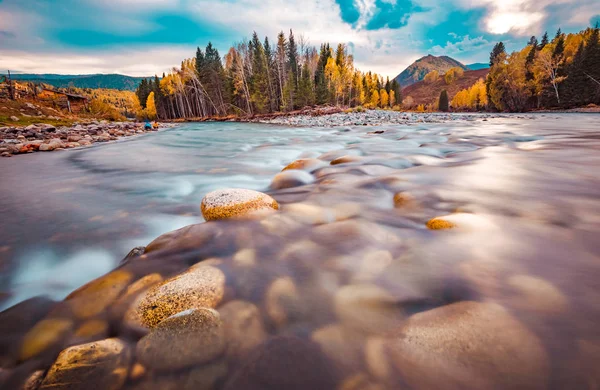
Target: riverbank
45,137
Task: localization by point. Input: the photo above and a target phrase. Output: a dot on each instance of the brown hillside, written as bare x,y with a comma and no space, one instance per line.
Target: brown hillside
423,93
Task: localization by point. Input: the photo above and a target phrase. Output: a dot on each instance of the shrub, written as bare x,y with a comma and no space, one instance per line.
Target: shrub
103,110
443,102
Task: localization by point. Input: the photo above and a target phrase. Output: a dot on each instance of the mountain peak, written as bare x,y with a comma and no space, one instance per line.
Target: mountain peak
418,69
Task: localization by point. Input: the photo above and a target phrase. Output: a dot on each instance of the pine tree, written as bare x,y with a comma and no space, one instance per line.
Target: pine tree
397,91
281,69
532,41
292,65
544,41
259,81
271,76
443,104
496,52
306,96
591,66
321,90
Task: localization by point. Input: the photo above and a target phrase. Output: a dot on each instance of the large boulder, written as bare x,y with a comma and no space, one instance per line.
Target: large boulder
230,203
199,287
192,337
468,345
98,365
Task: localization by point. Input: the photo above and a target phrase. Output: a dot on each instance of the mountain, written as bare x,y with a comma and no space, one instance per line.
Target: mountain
478,65
418,69
424,93
110,81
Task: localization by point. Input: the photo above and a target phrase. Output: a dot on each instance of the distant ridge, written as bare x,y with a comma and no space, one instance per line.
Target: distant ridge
478,65
110,81
418,69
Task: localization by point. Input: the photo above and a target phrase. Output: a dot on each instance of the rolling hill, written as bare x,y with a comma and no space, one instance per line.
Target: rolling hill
423,93
418,69
478,65
108,81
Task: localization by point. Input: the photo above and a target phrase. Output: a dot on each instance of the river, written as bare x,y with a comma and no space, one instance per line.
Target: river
527,190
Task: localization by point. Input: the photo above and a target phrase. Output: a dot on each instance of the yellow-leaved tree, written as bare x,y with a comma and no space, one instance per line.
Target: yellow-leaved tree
151,107
384,98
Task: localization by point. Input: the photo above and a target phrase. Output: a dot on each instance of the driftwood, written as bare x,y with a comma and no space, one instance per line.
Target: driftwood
309,111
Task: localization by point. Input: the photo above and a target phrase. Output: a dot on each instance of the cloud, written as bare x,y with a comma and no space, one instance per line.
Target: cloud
465,45
143,37
141,62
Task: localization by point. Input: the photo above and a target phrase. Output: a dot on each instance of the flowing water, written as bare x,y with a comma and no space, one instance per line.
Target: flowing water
347,264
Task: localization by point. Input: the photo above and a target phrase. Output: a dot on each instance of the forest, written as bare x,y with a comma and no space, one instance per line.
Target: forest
257,77
560,73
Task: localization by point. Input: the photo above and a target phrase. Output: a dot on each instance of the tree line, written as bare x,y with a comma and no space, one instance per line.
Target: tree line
559,73
256,77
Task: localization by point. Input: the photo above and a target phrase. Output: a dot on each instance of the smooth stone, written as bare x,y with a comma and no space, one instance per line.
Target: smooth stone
94,297
244,328
367,308
282,302
291,178
98,365
34,381
206,377
347,159
341,345
199,287
360,381
285,362
305,164
189,338
310,214
403,199
469,345
230,203
46,148
463,221
376,359
45,334
92,329
537,294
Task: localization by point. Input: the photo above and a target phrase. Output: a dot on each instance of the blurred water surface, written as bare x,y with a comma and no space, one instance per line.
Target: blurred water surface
527,191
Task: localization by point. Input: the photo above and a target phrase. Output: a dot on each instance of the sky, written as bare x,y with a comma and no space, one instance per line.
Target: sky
147,37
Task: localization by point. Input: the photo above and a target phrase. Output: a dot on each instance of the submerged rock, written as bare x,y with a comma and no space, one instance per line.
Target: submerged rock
468,345
189,338
305,164
98,365
196,288
244,328
230,203
291,178
44,335
96,296
285,362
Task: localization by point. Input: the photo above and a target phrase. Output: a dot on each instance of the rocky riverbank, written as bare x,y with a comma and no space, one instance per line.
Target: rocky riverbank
372,118
45,137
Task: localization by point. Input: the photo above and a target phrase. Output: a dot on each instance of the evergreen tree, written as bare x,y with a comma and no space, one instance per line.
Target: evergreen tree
591,66
281,68
388,86
292,65
496,52
443,104
271,75
532,41
259,81
558,33
321,90
544,41
306,96
397,91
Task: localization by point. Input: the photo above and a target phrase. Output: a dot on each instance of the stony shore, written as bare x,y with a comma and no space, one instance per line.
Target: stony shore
373,118
45,137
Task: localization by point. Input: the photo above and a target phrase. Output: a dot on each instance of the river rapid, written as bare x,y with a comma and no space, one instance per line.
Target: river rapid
347,264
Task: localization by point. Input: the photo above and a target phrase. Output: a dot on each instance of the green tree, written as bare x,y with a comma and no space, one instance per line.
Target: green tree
259,81
443,104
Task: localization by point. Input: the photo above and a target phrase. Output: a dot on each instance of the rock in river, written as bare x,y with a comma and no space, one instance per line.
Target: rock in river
98,365
192,337
196,288
291,178
469,345
229,203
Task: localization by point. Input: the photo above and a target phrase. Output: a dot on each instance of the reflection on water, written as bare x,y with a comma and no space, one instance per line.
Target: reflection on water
343,288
